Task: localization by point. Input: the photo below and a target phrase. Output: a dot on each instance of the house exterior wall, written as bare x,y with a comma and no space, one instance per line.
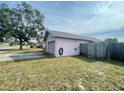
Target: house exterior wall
70,47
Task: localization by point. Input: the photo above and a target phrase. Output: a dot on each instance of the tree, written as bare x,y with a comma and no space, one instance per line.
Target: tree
4,21
111,40
25,22
39,38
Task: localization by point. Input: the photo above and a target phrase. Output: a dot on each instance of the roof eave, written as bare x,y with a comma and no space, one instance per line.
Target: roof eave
75,39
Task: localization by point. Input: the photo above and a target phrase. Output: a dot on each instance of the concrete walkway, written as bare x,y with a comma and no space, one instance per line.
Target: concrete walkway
23,56
10,56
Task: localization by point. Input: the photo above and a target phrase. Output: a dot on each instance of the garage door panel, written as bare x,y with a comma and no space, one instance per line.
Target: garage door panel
51,47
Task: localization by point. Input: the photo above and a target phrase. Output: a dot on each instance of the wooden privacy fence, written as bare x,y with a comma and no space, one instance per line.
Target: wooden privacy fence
103,50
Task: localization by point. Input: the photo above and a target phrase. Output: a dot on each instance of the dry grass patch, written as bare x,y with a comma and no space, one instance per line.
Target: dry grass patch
64,73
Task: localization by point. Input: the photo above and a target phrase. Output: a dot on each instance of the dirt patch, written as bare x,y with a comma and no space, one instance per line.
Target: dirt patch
81,87
97,70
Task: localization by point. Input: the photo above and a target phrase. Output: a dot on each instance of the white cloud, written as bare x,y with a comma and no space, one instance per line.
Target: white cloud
108,16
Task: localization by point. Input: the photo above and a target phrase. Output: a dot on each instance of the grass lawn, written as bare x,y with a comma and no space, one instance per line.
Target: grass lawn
63,73
6,49
18,51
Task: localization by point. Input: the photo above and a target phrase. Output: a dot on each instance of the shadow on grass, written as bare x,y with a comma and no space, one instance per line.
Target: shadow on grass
39,51
90,60
22,60
12,49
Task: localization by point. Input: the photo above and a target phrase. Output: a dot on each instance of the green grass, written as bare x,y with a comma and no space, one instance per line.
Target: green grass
64,73
18,51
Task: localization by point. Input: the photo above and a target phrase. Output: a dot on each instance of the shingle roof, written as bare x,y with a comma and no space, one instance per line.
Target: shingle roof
71,36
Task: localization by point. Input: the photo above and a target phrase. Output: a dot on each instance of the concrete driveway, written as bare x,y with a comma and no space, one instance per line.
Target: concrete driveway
21,56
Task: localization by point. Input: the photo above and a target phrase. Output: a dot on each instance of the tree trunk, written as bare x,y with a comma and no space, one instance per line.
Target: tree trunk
20,44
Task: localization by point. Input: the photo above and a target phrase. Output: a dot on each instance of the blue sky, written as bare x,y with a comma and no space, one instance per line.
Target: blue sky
96,19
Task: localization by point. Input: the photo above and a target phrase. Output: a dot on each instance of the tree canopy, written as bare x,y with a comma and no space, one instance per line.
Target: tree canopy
4,21
111,40
24,22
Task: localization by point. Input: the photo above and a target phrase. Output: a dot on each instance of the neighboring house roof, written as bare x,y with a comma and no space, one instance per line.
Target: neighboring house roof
69,36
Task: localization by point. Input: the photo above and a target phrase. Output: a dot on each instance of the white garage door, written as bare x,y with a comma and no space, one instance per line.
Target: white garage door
51,47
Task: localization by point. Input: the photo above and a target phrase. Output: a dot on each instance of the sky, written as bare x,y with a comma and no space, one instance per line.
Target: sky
101,19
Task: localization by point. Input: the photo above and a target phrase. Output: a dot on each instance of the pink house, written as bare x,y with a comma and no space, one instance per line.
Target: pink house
65,44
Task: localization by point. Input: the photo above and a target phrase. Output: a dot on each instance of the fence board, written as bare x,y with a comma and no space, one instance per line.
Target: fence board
121,51
103,50
92,50
84,49
100,52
